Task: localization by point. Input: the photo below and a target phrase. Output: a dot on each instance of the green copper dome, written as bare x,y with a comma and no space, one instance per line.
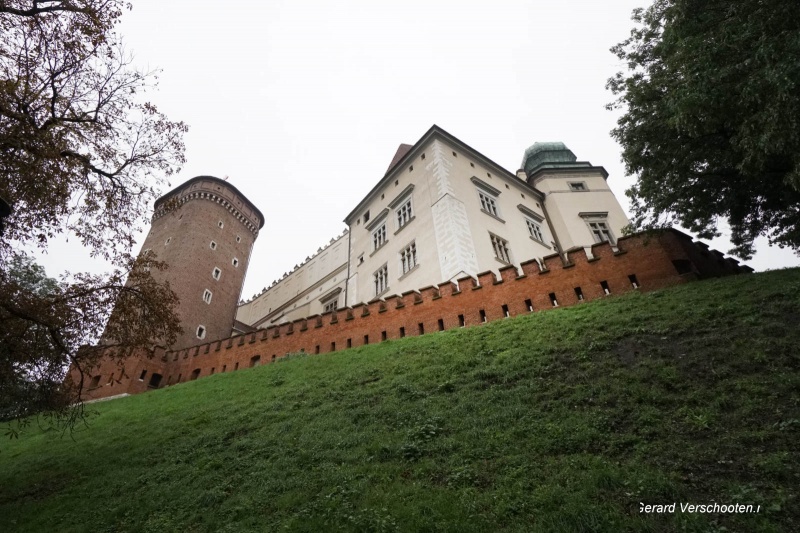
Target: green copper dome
548,155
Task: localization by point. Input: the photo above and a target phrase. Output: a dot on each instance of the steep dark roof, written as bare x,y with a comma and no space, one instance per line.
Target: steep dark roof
402,150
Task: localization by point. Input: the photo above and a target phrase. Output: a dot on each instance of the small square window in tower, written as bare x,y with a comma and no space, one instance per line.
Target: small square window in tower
216,273
577,186
201,332
235,262
220,224
213,245
207,296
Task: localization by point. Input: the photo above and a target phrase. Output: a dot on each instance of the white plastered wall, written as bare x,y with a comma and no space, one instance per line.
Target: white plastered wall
564,206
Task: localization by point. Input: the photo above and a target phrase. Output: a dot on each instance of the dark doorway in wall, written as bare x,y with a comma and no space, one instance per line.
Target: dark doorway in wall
155,381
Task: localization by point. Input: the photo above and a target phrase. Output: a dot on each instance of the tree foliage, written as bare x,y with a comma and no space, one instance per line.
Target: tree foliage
83,154
80,151
47,325
711,123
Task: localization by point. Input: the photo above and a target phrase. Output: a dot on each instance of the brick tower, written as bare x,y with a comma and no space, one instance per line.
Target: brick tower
204,229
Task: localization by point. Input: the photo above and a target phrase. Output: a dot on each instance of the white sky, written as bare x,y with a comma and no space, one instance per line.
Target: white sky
303,104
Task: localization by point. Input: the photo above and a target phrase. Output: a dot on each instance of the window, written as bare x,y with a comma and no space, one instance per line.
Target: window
201,332
605,287
95,382
238,239
216,273
404,213
534,229
213,245
500,247
235,262
147,256
331,306
600,232
381,279
379,237
577,186
488,203
408,257
366,216
167,241
220,224
207,296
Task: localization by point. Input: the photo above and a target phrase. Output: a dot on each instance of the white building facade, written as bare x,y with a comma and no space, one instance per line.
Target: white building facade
441,212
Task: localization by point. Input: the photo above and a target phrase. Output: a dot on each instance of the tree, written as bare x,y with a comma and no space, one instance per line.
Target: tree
46,326
81,154
711,123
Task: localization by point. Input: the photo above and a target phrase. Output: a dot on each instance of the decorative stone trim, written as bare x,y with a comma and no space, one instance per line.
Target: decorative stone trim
211,197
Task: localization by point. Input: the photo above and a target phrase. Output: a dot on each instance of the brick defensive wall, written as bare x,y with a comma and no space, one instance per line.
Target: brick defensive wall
639,262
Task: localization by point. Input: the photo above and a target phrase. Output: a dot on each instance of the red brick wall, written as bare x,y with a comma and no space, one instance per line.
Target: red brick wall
649,259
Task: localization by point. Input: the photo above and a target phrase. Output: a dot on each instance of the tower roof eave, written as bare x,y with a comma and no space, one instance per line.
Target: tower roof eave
227,184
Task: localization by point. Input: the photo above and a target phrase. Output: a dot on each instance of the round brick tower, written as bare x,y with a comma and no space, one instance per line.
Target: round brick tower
204,230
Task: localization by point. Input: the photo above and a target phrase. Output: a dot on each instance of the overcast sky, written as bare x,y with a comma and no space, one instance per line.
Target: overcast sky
303,104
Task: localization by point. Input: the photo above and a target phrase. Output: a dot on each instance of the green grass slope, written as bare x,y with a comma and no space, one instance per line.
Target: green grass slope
564,420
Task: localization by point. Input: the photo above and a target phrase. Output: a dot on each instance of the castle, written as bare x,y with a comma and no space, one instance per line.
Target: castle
446,238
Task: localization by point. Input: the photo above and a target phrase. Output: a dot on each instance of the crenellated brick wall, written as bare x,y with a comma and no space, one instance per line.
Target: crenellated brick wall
639,261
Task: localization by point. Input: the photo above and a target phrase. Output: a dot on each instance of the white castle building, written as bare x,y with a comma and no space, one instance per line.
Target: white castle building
441,212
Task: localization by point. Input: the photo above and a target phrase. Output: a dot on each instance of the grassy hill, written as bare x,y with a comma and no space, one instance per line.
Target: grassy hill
564,420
